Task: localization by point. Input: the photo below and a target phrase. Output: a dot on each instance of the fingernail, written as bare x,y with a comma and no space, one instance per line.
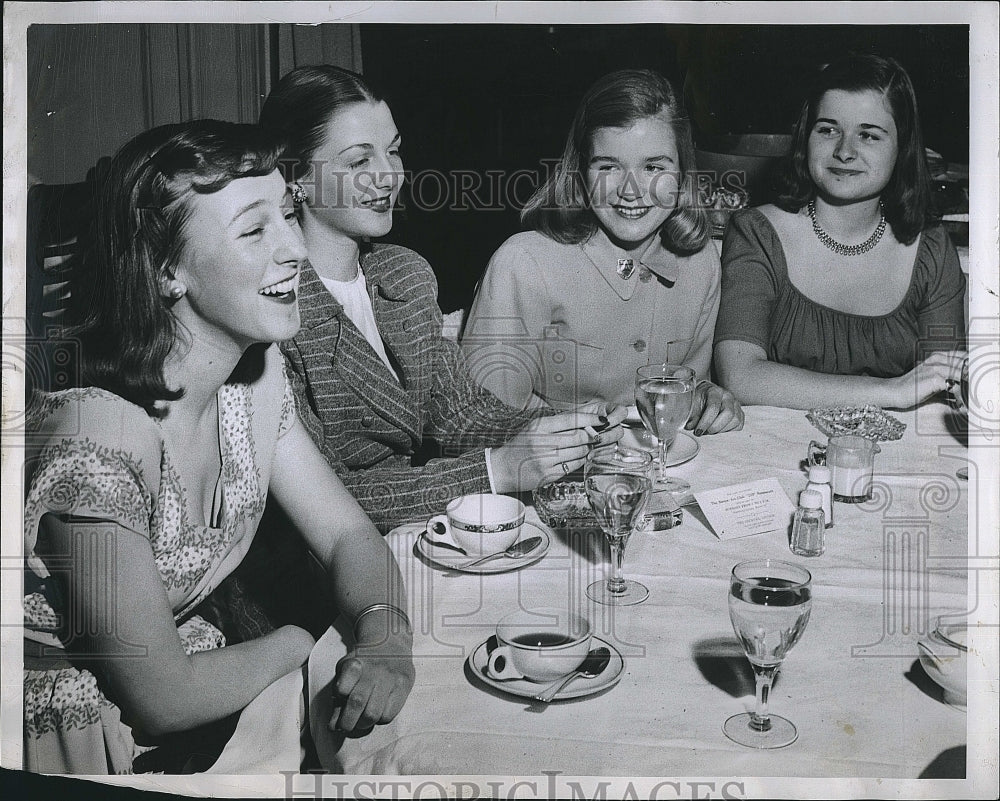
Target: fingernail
603,418
699,431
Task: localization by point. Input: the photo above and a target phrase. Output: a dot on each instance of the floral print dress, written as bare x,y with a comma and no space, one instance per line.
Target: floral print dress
92,454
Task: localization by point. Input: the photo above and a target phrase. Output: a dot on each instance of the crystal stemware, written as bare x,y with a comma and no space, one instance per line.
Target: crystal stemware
617,482
769,605
664,396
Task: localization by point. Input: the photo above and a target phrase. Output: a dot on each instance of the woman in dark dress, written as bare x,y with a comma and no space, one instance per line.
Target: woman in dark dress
845,292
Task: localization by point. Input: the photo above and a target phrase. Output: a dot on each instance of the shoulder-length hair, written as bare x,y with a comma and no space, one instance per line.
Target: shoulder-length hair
906,198
124,319
299,108
560,207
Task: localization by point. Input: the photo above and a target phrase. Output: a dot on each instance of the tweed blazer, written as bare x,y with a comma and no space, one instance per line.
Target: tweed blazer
371,426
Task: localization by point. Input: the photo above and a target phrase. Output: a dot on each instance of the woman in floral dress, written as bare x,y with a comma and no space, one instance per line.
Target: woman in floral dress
146,486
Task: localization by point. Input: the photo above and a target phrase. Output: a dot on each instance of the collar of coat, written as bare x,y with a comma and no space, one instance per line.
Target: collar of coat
655,259
318,307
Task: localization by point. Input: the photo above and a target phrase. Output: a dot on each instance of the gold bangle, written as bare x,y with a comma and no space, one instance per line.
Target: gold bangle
382,608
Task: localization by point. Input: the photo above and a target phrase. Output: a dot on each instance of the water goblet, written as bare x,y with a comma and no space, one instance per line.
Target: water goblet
664,396
769,605
617,482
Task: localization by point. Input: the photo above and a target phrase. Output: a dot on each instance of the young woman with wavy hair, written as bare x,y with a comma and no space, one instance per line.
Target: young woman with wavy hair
845,292
617,271
145,486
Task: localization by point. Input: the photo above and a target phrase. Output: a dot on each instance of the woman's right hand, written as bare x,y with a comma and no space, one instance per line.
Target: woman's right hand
550,447
928,378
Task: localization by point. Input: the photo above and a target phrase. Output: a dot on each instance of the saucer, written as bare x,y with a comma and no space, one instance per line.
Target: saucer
577,688
684,448
451,560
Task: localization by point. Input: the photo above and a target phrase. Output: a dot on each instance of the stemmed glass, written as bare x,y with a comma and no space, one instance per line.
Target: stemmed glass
664,396
769,605
618,484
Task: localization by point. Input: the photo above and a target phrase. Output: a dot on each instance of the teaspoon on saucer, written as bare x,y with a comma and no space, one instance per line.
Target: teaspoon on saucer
592,667
518,550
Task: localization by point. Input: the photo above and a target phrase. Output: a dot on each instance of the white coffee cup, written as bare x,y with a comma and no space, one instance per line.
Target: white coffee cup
540,645
483,523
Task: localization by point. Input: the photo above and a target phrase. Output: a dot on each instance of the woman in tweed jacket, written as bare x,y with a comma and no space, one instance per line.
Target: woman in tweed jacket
375,378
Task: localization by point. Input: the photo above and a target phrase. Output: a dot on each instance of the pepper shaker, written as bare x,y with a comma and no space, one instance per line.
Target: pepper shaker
808,525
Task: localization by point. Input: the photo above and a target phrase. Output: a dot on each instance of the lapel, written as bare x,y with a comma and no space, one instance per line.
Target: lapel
334,344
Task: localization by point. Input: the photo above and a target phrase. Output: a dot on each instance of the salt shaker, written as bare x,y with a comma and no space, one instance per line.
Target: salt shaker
808,525
819,481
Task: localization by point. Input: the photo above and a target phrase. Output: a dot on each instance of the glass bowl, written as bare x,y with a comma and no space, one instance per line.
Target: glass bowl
563,504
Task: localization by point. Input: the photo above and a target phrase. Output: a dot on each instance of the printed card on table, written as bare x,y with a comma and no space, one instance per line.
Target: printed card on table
743,510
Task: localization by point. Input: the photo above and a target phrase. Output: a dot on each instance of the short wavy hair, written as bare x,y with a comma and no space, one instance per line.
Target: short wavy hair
559,208
137,240
300,106
906,199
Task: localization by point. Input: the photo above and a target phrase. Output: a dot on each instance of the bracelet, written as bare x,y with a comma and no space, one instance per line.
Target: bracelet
382,608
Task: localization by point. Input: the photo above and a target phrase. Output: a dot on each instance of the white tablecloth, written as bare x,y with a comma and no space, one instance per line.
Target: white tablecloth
853,685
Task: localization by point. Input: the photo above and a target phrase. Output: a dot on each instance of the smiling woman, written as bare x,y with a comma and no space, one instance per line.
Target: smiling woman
616,273
379,386
845,292
155,473
240,285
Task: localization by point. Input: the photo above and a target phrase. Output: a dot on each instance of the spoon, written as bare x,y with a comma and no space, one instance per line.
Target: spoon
592,667
516,551
438,528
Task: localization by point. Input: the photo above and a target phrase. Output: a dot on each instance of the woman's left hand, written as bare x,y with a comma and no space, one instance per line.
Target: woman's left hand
373,682
715,410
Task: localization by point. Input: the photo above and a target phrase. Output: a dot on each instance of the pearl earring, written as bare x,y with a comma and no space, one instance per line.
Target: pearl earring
177,291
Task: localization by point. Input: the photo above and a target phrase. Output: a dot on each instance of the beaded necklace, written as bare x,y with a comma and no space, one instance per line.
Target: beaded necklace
846,250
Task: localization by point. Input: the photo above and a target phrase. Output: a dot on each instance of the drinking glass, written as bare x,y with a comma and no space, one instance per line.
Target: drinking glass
664,396
617,481
769,605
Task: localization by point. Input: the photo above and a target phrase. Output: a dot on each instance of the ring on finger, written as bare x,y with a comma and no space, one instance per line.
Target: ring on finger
565,468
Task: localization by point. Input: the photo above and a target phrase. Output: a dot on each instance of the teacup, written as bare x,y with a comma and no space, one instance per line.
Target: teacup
540,645
483,523
852,461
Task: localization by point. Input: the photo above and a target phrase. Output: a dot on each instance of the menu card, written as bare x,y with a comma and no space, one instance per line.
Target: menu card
743,510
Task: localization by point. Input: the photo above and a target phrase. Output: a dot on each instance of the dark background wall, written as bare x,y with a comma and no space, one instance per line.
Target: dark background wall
475,103
469,97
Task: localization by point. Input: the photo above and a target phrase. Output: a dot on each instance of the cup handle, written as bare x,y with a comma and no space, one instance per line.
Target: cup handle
817,453
443,520
500,665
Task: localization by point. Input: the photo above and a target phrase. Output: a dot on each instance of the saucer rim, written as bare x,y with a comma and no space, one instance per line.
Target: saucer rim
675,461
494,566
566,694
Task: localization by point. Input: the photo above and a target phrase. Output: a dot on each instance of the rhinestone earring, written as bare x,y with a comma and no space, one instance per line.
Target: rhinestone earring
299,195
